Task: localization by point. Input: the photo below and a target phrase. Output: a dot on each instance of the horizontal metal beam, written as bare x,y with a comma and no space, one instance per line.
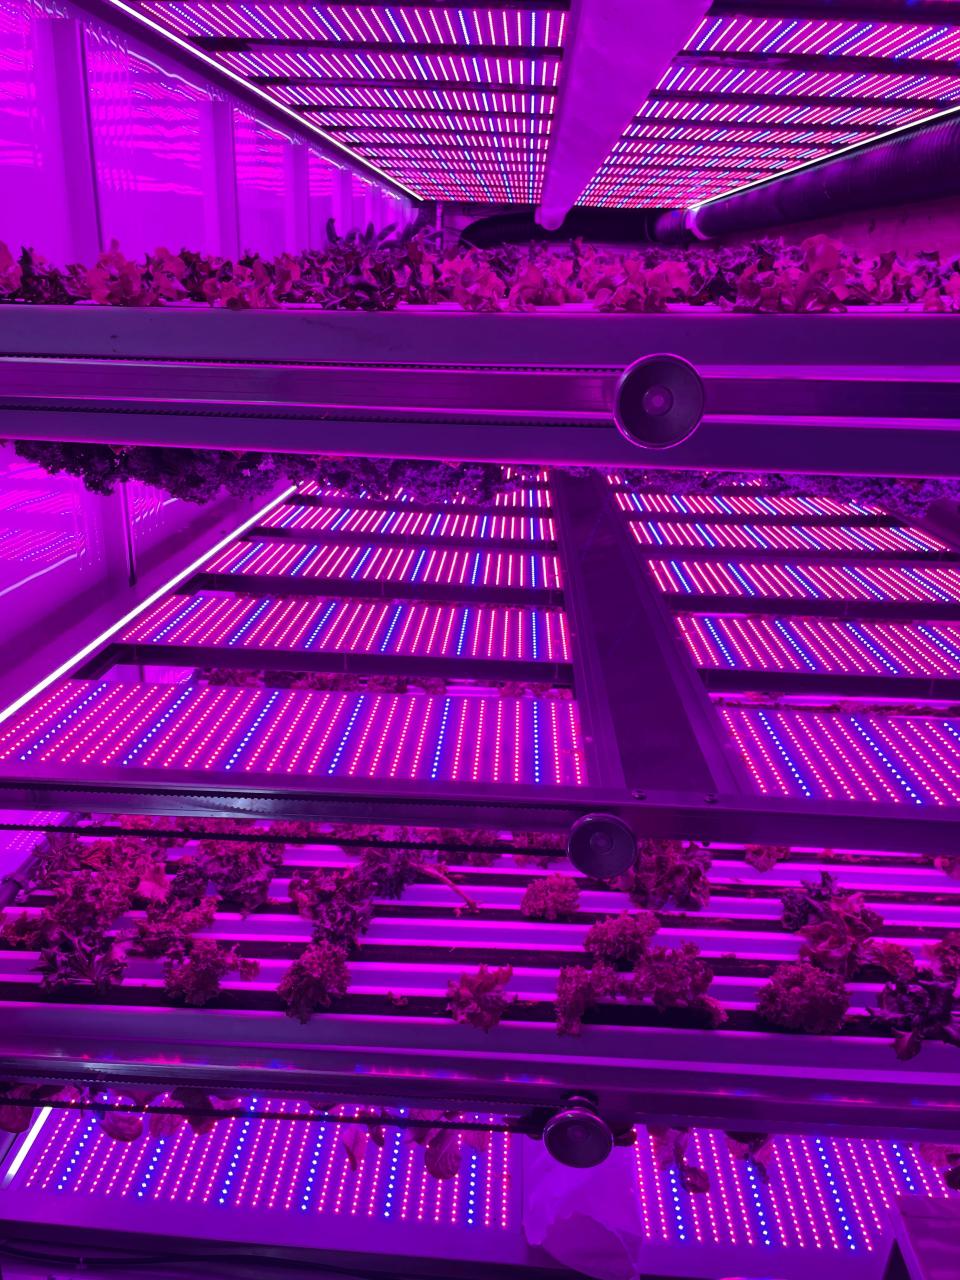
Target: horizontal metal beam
831,684
665,1075
707,817
255,44
853,609
266,584
720,443
764,418
553,338
543,395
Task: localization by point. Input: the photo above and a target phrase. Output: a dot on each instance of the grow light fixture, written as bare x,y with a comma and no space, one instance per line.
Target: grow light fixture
460,99
808,88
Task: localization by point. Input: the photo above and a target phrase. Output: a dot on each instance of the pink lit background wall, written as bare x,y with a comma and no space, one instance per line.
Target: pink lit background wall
150,156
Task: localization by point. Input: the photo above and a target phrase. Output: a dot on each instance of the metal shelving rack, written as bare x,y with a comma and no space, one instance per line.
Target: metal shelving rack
645,742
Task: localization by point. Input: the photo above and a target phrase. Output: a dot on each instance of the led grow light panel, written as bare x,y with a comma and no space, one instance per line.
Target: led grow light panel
444,566
897,584
268,1168
317,625
825,755
534,497
775,537
825,1196
864,74
439,525
822,645
759,506
232,730
490,61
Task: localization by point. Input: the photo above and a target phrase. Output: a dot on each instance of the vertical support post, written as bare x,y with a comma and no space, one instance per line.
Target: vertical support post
343,201
651,712
61,79
297,236
222,214
129,546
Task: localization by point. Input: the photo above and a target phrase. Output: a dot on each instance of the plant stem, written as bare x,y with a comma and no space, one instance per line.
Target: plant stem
434,873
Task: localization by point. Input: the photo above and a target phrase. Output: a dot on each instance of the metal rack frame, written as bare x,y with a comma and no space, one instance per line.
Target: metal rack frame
784,393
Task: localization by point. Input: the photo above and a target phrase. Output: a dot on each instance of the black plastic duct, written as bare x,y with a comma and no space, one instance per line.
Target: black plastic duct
518,226
920,165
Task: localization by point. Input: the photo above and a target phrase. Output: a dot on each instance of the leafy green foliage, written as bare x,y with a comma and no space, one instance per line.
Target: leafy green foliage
478,999
194,976
553,897
918,1009
800,997
370,270
621,940
669,874
315,980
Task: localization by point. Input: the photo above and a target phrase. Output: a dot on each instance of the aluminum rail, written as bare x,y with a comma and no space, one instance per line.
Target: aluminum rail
873,391
717,1079
862,418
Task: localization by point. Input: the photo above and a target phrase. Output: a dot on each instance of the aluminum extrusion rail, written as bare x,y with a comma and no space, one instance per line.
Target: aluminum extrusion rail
893,419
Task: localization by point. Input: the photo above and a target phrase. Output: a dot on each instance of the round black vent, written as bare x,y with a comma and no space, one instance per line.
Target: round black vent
601,846
577,1136
659,401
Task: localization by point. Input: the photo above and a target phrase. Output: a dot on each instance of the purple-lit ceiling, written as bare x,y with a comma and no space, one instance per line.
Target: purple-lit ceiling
455,103
763,87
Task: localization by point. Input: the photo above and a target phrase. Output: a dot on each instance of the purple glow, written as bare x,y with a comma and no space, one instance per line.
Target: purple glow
267,1170
823,755
447,566
311,625
654,166
234,730
868,647
465,143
